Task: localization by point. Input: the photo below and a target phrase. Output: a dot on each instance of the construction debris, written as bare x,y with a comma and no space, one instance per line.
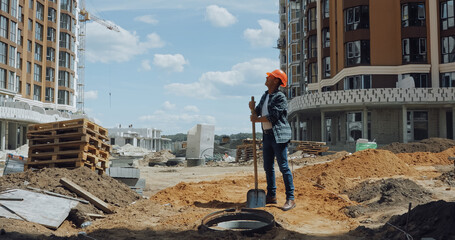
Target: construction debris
311,147
245,150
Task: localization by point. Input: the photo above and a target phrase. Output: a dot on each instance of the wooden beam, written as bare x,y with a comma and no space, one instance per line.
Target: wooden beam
57,195
86,195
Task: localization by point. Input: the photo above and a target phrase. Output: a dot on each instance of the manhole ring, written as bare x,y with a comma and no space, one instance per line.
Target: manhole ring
245,220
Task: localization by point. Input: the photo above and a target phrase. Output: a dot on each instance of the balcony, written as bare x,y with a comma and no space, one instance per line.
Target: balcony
281,43
373,97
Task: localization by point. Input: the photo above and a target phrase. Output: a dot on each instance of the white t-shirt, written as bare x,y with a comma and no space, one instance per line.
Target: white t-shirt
265,112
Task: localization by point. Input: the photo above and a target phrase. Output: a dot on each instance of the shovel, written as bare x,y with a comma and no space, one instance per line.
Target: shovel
255,198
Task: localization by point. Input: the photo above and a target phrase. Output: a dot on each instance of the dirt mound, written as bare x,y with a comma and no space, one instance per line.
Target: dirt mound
299,158
102,186
373,196
342,173
448,178
433,145
433,220
156,157
428,158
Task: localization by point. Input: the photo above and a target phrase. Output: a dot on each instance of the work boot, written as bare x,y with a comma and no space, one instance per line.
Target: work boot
290,204
270,200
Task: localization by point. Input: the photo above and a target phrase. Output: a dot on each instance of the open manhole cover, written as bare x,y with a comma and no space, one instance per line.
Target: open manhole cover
244,220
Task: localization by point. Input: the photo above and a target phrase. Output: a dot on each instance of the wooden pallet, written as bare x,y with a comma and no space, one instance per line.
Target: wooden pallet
311,147
70,124
245,152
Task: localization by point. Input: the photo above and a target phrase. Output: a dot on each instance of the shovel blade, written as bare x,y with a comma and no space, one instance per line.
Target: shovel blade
255,198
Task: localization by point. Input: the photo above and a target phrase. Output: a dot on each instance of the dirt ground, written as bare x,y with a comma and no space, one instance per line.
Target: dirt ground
364,195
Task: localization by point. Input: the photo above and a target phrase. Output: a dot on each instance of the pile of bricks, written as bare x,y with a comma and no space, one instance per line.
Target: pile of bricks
68,144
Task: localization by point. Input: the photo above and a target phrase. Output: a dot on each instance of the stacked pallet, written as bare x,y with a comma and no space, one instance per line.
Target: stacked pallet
311,147
245,150
68,144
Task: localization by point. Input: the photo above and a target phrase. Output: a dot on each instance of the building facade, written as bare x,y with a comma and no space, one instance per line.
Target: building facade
382,70
38,64
147,138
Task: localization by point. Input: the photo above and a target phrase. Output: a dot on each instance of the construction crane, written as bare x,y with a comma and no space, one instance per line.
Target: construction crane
84,17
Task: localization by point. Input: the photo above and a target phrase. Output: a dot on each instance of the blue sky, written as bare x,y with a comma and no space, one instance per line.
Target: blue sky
175,64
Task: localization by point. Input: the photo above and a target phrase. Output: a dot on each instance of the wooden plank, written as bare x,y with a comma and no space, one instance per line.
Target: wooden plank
86,195
57,195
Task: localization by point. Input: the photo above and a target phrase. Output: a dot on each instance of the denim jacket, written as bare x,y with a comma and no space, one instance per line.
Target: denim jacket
278,111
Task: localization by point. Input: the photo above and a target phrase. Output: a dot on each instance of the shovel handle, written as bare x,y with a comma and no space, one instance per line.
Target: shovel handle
255,163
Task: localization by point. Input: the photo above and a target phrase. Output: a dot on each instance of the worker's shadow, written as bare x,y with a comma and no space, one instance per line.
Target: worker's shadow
219,204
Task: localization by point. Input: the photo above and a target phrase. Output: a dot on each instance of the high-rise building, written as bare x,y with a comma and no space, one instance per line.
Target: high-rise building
373,69
38,64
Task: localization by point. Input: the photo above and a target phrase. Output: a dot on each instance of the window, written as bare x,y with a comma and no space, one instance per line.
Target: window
18,60
325,9
30,4
12,56
65,5
65,21
294,10
50,34
50,56
39,11
28,89
19,37
295,31
14,8
3,27
30,24
357,82
312,19
50,74
12,78
412,14
448,49
29,45
37,73
312,47
12,31
3,51
49,95
357,52
447,15
63,97
447,79
64,79
36,92
356,18
312,73
326,67
354,122
325,37
417,125
38,52
421,80
5,5
29,67
51,14
2,78
328,129
414,50
64,59
64,40
21,16
39,31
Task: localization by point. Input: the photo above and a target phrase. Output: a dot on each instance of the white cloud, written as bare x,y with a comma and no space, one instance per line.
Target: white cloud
93,94
168,105
191,108
146,19
170,62
266,36
219,17
103,45
212,85
174,121
145,65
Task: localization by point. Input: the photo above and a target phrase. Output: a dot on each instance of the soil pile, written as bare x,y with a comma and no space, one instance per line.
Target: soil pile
433,145
102,186
432,220
342,173
374,196
156,157
428,158
299,158
448,178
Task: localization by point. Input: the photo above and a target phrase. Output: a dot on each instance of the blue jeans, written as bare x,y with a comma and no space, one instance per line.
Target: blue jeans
271,149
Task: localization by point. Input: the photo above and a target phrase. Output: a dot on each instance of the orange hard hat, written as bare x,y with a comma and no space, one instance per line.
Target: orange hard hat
281,75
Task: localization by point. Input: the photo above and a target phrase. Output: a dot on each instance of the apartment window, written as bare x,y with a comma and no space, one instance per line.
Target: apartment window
447,79
38,52
5,5
421,80
30,4
39,11
63,78
20,15
326,67
28,89
18,60
65,21
295,50
14,8
50,54
356,18
357,82
412,14
30,24
64,59
12,56
65,5
39,31
294,10
357,52
354,122
325,9
12,78
37,73
29,45
19,37
36,92
312,47
50,34
49,94
312,73
29,67
2,78
325,37
3,27
417,125
50,74
63,97
447,15
12,31
448,49
52,15
3,51
64,40
312,19
295,31
414,50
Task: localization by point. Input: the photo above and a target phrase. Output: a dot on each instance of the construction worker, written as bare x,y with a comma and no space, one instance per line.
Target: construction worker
271,112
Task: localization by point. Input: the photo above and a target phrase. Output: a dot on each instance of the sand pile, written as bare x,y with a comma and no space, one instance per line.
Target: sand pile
428,158
156,157
433,145
342,173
